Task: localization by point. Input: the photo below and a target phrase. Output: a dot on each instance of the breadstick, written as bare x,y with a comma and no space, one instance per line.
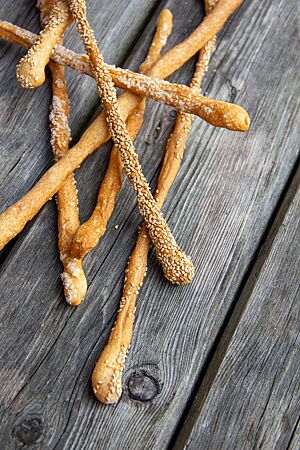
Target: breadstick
177,266
172,59
216,113
73,277
13,220
45,7
89,233
17,35
107,374
31,68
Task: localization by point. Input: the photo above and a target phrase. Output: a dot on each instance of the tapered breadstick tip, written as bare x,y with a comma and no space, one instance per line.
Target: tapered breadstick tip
107,375
223,114
28,78
31,68
178,267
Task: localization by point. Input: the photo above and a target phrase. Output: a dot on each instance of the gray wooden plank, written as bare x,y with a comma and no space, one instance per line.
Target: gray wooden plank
255,396
295,441
218,221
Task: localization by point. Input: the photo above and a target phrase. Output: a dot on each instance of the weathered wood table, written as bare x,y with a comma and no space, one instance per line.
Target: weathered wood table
214,364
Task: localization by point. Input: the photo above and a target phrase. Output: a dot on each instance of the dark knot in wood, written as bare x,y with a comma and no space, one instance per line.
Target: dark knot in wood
29,430
142,386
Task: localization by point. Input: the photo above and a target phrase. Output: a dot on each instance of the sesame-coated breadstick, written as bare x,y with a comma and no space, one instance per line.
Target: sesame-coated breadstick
217,113
107,374
31,68
177,266
89,232
182,52
17,35
13,220
73,277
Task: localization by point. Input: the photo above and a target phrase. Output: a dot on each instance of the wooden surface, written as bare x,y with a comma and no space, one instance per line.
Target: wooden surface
232,189
258,375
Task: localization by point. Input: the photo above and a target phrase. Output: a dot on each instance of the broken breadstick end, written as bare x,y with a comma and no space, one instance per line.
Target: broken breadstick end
74,281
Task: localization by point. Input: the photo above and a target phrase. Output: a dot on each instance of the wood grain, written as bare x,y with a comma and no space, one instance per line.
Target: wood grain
255,396
219,207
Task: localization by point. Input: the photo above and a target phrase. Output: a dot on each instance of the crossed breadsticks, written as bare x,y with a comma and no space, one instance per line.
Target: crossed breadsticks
107,374
216,113
76,240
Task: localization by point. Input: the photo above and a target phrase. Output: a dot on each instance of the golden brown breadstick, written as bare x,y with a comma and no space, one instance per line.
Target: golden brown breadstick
163,30
207,29
17,35
107,374
177,266
73,277
13,220
89,232
217,113
178,55
31,68
45,7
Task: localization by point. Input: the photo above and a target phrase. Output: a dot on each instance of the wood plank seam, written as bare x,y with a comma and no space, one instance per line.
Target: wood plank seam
293,434
219,348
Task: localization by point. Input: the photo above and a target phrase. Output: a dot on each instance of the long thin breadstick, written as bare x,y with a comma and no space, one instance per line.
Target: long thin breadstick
89,232
107,374
177,266
178,55
73,277
13,220
214,112
31,68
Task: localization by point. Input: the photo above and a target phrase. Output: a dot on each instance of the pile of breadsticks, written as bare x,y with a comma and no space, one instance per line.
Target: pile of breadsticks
121,119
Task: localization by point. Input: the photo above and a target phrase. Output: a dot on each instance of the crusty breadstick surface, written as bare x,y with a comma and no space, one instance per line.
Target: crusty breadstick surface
31,68
107,374
182,52
217,113
73,277
89,233
106,377
177,266
13,220
207,29
17,35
